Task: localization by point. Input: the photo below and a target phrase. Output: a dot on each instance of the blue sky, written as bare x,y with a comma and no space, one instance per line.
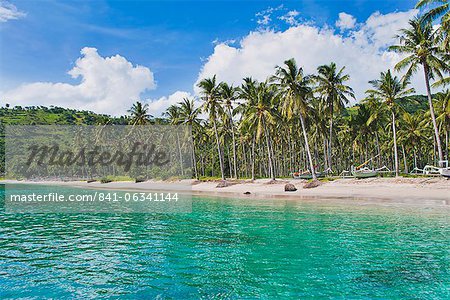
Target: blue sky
171,38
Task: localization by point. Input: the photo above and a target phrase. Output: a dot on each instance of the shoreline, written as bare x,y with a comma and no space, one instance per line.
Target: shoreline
415,191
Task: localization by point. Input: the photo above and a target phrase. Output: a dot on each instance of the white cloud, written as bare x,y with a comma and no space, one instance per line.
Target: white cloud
9,12
263,18
379,30
158,106
361,51
108,85
345,21
290,17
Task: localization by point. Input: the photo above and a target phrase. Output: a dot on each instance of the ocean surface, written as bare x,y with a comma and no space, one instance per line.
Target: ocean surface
230,248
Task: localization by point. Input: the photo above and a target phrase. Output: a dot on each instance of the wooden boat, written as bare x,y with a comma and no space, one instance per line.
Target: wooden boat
431,170
307,175
445,172
365,173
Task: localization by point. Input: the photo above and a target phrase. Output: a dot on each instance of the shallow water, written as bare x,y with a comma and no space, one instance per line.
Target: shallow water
229,248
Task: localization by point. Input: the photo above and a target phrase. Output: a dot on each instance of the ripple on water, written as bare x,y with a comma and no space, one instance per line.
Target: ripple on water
229,249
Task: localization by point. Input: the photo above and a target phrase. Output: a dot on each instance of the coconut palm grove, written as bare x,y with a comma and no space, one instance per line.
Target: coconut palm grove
298,122
302,121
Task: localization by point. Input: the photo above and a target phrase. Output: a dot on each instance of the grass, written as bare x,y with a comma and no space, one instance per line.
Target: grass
115,178
328,179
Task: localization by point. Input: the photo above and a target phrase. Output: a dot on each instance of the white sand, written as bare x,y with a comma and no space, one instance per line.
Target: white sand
434,190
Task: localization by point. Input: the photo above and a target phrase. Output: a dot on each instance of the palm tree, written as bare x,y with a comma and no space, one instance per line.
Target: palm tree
210,96
296,91
360,130
420,43
378,114
228,96
248,92
139,114
173,115
260,114
440,10
189,115
442,102
412,131
390,89
331,86
318,129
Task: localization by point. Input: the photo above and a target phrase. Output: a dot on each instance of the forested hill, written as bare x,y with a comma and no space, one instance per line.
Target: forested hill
41,115
415,103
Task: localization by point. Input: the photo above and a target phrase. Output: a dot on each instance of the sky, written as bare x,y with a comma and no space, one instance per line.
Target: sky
105,55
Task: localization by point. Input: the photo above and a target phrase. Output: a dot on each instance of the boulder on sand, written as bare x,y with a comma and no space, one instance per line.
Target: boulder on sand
312,184
289,187
222,184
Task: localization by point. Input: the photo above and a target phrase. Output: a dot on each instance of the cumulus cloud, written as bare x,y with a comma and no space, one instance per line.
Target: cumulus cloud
345,21
9,12
158,106
361,51
108,85
379,30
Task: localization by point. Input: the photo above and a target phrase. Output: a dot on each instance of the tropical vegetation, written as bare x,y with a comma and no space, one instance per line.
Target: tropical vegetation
295,121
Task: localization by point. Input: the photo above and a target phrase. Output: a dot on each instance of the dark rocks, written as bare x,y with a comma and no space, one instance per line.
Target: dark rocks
222,184
226,183
312,184
138,180
289,187
247,193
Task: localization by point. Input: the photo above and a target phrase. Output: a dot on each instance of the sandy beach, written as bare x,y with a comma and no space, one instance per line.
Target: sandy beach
433,190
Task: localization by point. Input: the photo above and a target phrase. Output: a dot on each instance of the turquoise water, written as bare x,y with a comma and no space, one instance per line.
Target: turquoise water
230,248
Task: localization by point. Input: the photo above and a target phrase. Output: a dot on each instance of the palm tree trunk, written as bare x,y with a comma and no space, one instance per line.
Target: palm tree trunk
405,164
180,154
290,151
202,158
415,158
311,165
213,160
253,157
218,149
272,155
269,152
244,154
316,153
194,160
229,163
331,138
234,143
395,144
433,118
446,144
434,150
377,141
